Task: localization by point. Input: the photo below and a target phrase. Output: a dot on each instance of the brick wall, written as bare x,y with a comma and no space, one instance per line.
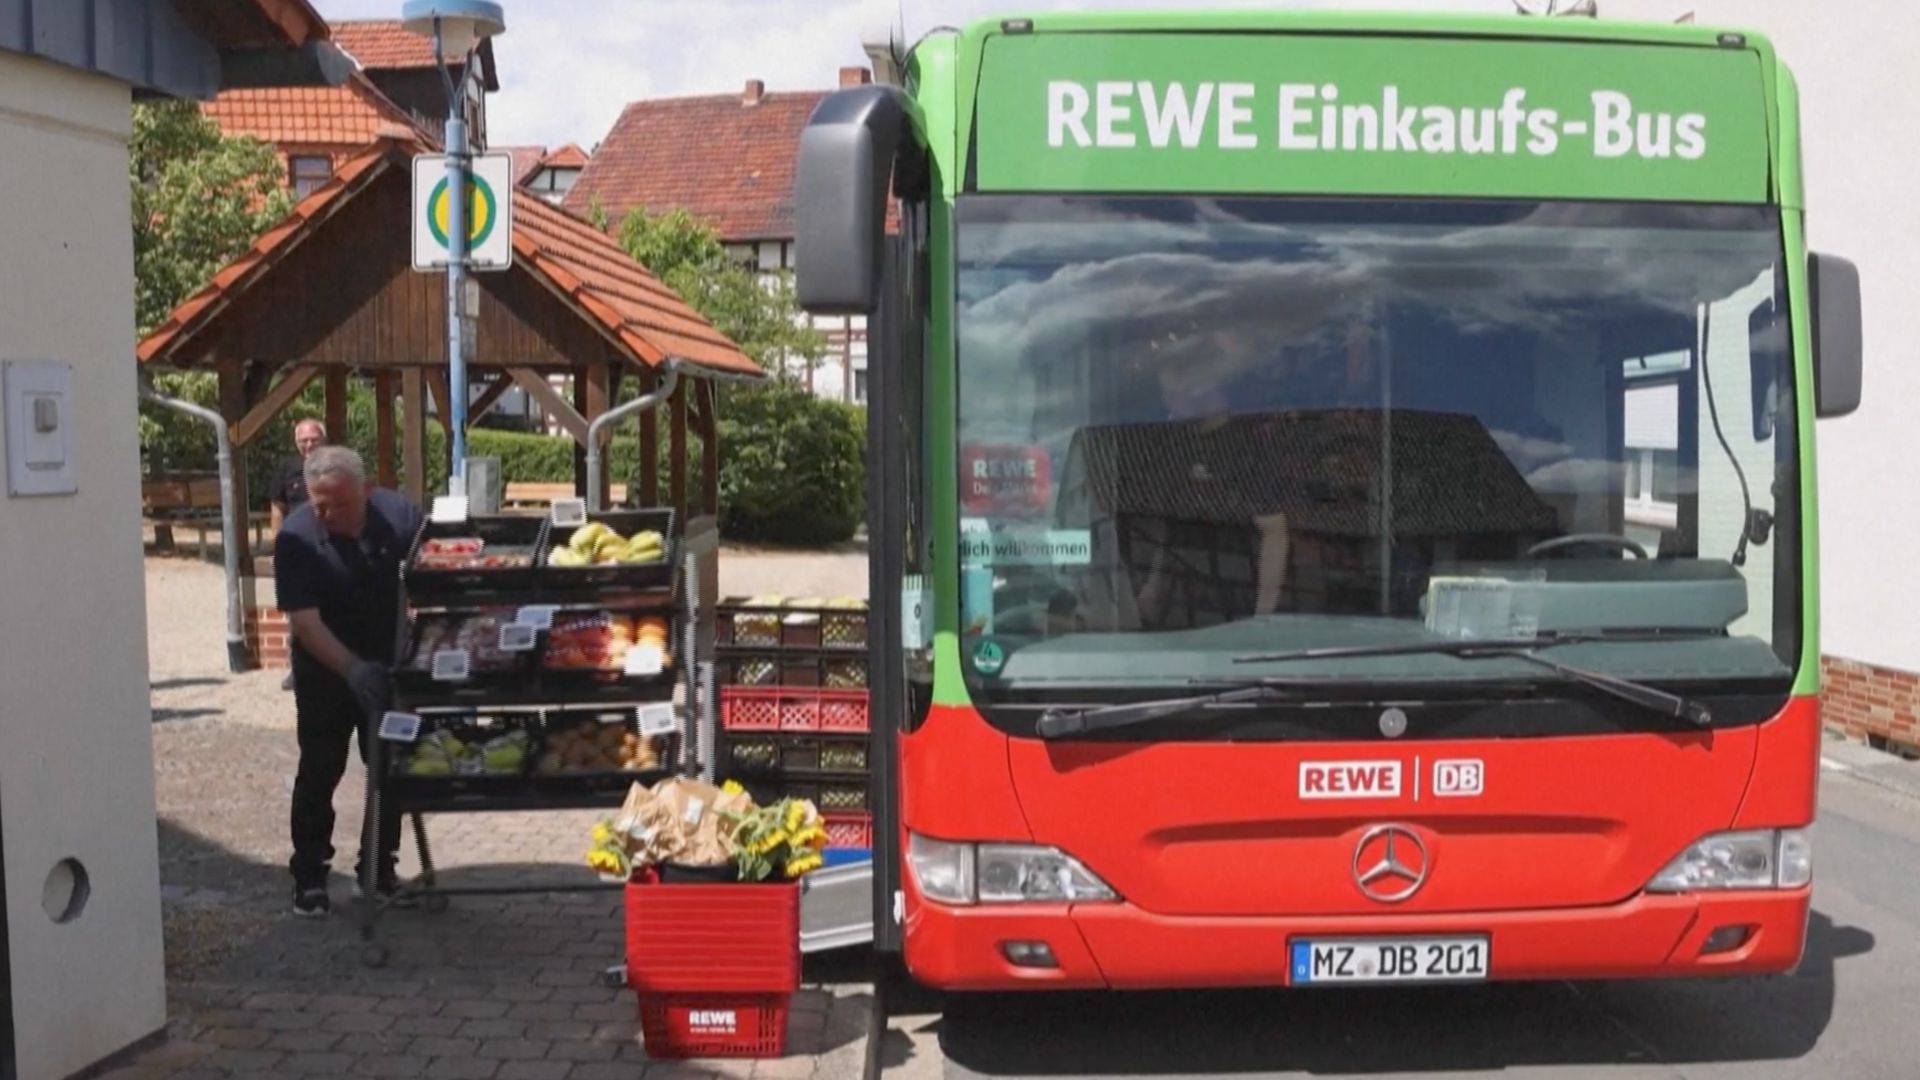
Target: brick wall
265,625
266,637
1868,702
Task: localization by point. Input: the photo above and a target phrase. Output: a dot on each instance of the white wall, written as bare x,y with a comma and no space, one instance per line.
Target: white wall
76,750
1855,70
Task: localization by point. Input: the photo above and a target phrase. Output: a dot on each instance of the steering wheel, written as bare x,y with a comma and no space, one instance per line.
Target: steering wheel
1559,543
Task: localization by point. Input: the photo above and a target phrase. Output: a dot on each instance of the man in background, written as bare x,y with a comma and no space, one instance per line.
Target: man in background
336,571
289,489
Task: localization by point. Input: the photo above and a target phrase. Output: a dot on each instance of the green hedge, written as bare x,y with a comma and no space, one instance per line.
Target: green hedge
792,466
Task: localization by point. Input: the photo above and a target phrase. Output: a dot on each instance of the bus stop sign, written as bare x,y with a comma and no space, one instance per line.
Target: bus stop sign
489,212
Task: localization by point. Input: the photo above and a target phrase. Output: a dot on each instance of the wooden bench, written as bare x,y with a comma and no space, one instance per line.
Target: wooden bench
188,501
523,496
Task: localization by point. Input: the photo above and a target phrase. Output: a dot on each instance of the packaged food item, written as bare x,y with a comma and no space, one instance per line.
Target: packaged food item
478,634
471,553
599,641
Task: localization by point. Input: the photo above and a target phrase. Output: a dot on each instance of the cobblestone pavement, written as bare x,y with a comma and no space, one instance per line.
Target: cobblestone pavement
495,988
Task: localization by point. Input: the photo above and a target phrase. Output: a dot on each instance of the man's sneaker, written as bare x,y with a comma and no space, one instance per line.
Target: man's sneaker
312,903
390,895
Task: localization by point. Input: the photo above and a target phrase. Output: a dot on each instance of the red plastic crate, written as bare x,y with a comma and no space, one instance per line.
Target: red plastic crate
792,708
850,830
745,709
714,1025
712,939
844,710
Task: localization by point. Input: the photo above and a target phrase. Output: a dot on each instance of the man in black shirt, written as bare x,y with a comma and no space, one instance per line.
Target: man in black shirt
336,570
289,490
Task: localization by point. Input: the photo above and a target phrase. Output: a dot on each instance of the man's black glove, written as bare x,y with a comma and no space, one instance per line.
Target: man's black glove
371,686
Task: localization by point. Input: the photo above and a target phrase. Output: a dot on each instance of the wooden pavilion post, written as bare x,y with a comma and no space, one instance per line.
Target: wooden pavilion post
443,409
710,447
580,438
649,446
677,448
336,417
598,397
413,433
383,448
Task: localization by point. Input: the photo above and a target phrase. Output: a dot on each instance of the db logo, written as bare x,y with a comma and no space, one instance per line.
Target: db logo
1461,776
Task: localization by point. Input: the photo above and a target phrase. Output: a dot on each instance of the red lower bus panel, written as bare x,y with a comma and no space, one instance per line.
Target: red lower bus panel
1786,771
954,781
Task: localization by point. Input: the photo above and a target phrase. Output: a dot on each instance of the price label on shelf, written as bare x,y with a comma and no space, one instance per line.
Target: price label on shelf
400,727
537,616
569,512
452,665
516,637
448,509
657,719
644,660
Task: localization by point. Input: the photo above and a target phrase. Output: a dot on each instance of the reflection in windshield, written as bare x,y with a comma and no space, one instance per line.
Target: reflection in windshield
1178,414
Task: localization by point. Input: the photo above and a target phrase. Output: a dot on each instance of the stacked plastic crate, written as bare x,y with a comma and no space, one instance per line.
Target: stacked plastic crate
794,707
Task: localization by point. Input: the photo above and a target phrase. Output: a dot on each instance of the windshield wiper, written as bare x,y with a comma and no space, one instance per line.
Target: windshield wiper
1062,724
1525,648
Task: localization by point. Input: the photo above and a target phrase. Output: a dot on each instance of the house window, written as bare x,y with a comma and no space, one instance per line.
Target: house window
860,386
553,184
307,172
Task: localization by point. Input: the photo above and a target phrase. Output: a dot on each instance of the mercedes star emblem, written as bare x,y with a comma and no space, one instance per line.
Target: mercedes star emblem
1390,863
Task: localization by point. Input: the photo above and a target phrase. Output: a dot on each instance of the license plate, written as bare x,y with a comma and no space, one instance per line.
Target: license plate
1326,961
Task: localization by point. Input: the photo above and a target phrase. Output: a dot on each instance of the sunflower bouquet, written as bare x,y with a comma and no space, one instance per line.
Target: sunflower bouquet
780,841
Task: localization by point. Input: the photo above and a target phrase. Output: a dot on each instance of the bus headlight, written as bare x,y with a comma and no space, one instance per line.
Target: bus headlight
1001,874
1758,859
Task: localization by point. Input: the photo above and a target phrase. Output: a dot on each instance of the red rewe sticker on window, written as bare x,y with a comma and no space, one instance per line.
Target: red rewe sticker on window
1004,479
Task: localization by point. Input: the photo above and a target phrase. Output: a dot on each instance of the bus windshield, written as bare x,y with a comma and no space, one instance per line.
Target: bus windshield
1192,429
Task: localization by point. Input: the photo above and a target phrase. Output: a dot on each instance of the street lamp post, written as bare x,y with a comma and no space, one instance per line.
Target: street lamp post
456,27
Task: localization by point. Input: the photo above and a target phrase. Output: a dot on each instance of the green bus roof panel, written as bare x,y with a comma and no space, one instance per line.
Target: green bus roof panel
1359,114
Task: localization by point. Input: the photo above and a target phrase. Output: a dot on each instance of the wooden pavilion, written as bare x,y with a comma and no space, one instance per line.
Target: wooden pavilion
330,293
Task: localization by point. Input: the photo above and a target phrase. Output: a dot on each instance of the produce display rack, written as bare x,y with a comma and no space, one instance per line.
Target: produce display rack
795,710
521,694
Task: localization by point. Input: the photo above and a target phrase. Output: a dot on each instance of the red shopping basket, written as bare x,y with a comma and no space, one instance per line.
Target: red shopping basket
714,965
713,939
714,1025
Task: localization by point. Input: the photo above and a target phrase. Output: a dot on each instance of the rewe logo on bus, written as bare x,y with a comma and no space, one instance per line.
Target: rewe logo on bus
1349,779
1123,114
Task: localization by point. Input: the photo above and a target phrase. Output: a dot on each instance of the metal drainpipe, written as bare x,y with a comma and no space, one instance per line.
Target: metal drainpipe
229,543
643,403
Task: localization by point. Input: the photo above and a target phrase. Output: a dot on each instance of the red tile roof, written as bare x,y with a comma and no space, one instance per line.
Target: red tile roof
715,156
350,115
569,156
582,265
525,160
384,45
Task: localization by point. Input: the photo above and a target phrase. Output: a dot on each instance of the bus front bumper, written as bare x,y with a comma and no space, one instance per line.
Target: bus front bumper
1120,947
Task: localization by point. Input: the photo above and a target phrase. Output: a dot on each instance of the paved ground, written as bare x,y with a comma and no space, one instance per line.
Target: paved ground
1847,1013
494,988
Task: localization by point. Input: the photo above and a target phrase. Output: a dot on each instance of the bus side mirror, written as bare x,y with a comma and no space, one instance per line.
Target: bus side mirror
1835,288
840,187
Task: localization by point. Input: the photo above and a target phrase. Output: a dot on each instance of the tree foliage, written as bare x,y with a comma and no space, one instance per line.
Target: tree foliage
761,315
200,198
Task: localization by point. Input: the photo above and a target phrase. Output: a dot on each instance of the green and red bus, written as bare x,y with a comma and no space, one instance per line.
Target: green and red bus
1342,495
